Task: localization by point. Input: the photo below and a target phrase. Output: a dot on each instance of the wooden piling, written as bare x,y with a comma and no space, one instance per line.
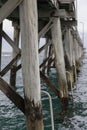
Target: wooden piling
45,55
49,62
68,46
59,61
69,55
76,54
16,42
0,44
30,64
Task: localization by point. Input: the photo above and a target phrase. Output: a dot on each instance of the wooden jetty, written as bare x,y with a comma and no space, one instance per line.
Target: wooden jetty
56,21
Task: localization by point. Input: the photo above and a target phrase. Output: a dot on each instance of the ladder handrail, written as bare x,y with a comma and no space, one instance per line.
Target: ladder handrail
51,107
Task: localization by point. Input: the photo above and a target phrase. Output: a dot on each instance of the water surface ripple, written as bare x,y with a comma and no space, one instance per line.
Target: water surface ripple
74,119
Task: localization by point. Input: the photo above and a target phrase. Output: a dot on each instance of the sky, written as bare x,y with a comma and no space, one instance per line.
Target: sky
82,12
7,27
82,19
82,24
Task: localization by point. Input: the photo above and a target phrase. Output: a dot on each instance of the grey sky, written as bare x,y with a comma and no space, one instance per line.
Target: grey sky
82,12
7,27
82,18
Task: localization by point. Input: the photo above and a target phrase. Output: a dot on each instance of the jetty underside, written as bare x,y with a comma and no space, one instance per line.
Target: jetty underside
56,21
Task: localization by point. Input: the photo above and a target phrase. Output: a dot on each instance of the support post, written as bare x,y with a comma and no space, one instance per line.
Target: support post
0,44
68,46
76,48
59,61
30,64
69,55
49,62
16,42
45,55
76,54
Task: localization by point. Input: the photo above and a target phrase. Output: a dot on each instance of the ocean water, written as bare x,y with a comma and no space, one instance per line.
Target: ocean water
75,118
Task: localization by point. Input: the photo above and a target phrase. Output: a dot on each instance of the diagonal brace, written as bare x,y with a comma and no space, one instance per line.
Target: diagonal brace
8,8
12,95
10,65
10,42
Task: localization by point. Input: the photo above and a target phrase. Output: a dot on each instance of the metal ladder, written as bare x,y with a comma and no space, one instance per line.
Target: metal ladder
51,108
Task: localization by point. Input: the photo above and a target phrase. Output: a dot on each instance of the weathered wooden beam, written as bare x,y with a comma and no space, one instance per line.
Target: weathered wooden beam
45,55
66,1
44,66
44,62
69,22
30,64
11,42
50,84
16,42
62,13
0,45
59,61
44,47
41,65
7,8
53,3
48,66
50,60
46,28
18,67
77,46
68,45
10,65
12,95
